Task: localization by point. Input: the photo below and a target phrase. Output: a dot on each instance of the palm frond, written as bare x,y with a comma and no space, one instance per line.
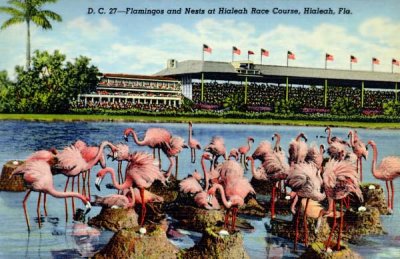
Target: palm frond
41,21
22,5
11,11
12,21
52,15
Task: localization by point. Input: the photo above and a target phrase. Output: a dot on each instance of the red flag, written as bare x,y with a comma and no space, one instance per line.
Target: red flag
395,62
291,55
236,50
329,57
353,59
250,52
264,52
375,61
206,48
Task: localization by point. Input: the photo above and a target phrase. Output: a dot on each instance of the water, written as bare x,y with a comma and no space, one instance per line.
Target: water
59,239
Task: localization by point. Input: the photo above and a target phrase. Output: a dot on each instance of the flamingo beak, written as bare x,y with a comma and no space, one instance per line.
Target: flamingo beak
209,198
88,208
273,137
126,138
364,156
98,182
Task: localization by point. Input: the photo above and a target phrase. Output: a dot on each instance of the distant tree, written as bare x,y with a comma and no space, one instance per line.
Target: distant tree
345,106
286,107
27,11
391,108
234,102
7,93
52,83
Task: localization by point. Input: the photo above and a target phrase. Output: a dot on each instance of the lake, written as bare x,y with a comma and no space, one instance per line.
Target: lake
58,239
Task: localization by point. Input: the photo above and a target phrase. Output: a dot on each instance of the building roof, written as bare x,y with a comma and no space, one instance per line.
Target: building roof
153,77
278,74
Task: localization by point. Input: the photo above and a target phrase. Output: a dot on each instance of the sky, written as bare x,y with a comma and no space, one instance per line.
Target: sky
142,44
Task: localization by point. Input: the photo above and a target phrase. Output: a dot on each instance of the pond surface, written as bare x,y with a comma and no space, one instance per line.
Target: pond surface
58,239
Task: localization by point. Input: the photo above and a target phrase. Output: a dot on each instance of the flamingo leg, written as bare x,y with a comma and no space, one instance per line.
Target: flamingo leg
159,158
234,214
119,173
65,200
226,218
194,155
176,167
84,174
143,206
327,244
38,209
154,153
305,224
297,227
388,194
392,197
44,204
88,182
361,178
72,199
273,202
341,225
25,211
79,182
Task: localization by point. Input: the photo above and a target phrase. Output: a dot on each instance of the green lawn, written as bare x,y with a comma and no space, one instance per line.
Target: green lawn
84,117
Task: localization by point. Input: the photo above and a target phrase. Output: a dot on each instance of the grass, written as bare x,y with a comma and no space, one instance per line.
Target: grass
125,118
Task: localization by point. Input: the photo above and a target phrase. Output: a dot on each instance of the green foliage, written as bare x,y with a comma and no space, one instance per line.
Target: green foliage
234,102
286,107
391,108
50,85
345,106
187,104
7,92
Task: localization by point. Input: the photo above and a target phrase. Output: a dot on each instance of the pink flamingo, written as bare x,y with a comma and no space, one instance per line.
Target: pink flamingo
172,149
153,138
230,170
213,174
262,150
193,144
115,201
141,171
306,182
233,194
359,149
243,150
340,179
277,146
71,163
121,154
336,145
88,153
217,148
192,185
38,176
234,153
297,150
315,155
388,170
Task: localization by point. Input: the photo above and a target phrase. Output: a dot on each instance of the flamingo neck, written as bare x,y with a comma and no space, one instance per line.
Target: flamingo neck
223,197
53,192
253,169
329,136
375,172
171,165
92,162
351,138
190,133
277,142
203,166
124,185
249,144
135,138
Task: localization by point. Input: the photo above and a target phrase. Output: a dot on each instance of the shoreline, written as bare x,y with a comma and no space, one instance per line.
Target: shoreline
170,119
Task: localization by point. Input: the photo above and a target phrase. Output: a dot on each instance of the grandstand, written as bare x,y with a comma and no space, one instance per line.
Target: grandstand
210,82
127,91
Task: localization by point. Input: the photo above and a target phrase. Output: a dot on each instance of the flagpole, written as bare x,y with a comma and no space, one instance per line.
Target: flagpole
232,55
325,61
202,56
261,58
392,66
287,59
351,64
372,66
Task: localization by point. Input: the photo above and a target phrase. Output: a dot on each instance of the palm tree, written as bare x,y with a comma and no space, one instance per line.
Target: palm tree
29,11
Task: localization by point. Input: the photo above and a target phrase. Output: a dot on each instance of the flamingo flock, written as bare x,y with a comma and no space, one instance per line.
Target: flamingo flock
304,170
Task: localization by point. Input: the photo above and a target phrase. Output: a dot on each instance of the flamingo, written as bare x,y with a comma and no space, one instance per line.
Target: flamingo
121,154
153,138
243,150
142,171
230,170
306,182
38,176
217,148
297,150
232,194
315,155
262,150
359,149
336,145
340,179
88,153
172,149
115,201
388,170
192,185
193,144
234,153
71,163
277,146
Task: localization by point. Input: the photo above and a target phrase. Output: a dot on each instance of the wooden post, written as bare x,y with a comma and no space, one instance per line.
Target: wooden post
362,94
245,90
287,89
326,93
202,86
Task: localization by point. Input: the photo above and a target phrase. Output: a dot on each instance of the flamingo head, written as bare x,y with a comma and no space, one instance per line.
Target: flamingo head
121,152
80,145
249,158
327,129
303,136
86,201
190,124
322,149
234,153
371,143
350,134
207,156
100,175
250,139
127,132
276,135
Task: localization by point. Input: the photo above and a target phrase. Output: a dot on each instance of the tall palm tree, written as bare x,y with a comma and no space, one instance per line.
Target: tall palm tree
29,11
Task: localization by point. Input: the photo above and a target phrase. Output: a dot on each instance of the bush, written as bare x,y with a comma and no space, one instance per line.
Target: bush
286,107
391,108
345,106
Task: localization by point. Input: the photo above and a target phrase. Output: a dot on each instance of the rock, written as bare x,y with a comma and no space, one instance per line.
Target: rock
115,219
131,244
282,206
317,250
253,208
214,245
373,197
362,223
169,191
15,183
261,186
